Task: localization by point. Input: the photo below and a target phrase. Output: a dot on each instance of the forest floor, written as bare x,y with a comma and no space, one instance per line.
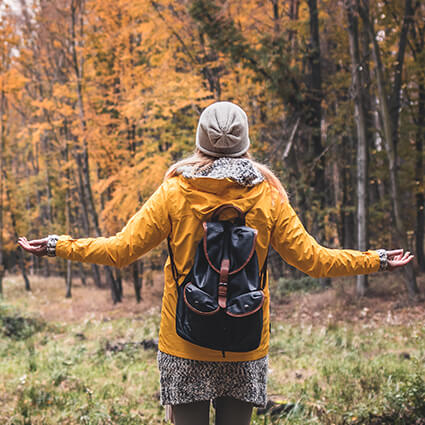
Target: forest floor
334,358
386,302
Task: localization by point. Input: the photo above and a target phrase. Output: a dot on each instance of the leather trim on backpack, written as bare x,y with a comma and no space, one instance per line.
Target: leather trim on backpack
249,313
202,313
254,243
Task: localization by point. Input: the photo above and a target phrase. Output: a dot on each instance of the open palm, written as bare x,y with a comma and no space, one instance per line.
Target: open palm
37,247
397,258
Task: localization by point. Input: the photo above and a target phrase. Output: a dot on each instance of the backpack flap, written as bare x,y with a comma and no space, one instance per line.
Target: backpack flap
245,304
243,296
199,301
242,245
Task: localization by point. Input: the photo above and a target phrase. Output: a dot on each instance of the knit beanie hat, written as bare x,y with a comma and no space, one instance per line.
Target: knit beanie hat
223,130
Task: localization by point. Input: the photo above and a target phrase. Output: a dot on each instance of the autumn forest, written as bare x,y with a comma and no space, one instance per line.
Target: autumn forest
99,98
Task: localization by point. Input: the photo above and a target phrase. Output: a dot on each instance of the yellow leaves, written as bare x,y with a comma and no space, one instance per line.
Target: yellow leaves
128,187
105,184
39,131
12,80
46,104
148,28
64,91
67,110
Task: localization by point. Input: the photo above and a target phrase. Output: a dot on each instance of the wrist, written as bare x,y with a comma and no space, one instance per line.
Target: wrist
52,240
383,258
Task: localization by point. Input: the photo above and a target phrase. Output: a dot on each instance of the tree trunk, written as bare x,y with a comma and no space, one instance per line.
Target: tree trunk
85,219
314,120
81,194
397,82
419,172
83,156
2,144
19,253
138,279
314,113
293,16
358,85
389,127
417,45
82,275
347,207
116,292
68,279
118,279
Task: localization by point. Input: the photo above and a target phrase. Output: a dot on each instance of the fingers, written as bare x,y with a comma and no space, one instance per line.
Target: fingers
394,252
400,261
37,247
38,241
398,258
34,242
397,254
23,243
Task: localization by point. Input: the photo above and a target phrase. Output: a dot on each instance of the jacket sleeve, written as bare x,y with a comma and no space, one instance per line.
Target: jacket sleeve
145,230
290,239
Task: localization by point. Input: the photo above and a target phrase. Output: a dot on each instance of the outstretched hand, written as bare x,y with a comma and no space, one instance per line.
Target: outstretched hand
37,247
397,258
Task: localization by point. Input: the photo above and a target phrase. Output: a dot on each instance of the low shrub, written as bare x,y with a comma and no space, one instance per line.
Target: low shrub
18,327
284,286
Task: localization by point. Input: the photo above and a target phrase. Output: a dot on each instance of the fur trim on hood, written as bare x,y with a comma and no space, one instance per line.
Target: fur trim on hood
240,170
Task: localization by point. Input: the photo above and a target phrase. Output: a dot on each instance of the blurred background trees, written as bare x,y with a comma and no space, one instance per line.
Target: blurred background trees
98,98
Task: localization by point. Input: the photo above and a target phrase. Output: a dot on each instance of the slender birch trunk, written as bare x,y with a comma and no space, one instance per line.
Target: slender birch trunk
19,253
419,174
389,127
314,118
2,144
68,221
417,45
83,156
358,84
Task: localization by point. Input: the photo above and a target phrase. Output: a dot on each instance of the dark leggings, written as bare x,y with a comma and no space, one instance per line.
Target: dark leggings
228,411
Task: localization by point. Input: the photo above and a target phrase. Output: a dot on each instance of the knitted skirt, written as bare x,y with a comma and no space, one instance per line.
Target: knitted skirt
187,381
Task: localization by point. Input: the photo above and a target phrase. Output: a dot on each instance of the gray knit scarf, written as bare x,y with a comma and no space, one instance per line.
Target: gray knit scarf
240,170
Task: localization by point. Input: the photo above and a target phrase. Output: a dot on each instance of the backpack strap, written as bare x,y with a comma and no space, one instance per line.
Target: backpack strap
173,264
264,272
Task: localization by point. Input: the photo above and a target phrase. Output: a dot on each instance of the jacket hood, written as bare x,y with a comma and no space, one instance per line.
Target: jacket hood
205,194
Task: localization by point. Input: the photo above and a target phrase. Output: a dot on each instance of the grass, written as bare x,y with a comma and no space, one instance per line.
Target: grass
345,374
63,372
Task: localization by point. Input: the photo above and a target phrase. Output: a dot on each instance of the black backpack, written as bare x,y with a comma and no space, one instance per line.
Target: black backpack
220,302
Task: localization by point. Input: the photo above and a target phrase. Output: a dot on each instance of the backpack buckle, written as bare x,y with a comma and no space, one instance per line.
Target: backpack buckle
222,294
222,286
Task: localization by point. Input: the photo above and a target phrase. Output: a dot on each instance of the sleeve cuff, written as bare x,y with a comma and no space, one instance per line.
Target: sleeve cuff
383,258
52,240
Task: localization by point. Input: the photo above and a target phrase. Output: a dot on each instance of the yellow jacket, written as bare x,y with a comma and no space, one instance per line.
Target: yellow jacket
177,209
